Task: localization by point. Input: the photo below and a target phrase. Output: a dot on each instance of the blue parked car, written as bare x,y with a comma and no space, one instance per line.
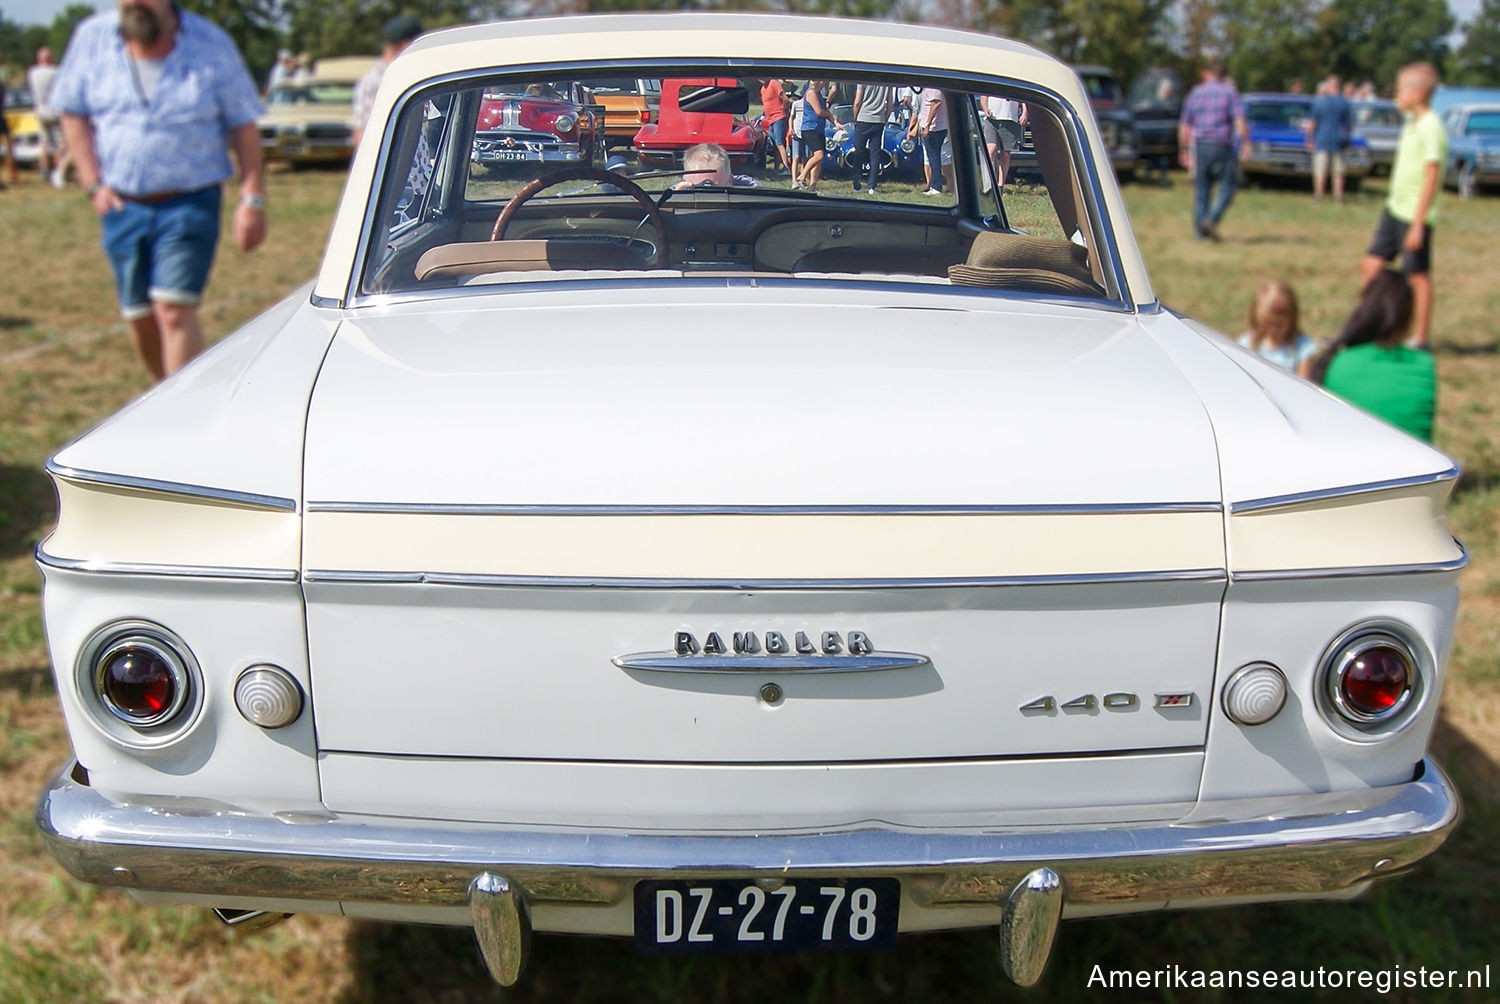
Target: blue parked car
1473,147
900,155
1279,125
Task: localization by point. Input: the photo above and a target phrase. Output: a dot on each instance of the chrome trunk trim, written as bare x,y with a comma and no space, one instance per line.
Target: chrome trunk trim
1324,494
458,509
1428,568
176,571
326,575
172,488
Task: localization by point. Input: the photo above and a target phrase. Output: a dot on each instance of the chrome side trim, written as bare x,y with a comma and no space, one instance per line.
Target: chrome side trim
541,509
1323,494
172,488
605,582
177,571
671,662
1294,844
1430,568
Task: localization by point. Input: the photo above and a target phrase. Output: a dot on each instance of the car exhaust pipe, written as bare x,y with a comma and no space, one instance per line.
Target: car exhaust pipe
247,921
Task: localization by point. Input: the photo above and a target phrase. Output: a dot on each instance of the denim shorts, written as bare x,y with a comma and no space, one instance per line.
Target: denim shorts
162,251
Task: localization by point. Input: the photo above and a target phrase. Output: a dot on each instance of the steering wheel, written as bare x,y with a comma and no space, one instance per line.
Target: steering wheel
584,173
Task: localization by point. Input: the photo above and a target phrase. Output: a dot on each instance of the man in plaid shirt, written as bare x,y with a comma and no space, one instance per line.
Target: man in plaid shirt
1211,119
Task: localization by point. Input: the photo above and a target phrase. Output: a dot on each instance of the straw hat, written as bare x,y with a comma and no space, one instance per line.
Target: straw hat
1020,261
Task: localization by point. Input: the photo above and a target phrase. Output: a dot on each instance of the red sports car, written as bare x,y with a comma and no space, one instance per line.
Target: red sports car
701,110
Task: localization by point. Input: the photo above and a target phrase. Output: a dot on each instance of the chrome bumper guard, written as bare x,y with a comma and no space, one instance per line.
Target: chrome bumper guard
1266,847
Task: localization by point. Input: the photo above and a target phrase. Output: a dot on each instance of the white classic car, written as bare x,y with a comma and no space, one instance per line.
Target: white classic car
741,567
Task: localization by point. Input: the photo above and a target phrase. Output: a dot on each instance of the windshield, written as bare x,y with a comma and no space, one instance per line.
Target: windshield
1101,86
1277,114
318,93
505,179
1483,124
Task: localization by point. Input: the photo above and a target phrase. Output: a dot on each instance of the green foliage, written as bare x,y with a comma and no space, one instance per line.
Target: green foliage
1373,39
353,27
1478,62
252,25
19,43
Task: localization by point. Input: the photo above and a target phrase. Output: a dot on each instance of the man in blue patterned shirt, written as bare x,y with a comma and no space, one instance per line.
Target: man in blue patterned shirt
153,99
1211,120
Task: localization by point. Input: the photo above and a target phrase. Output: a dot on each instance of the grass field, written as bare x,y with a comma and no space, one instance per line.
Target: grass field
65,363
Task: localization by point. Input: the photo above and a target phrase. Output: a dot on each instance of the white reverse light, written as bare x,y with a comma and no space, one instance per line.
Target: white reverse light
1254,694
268,696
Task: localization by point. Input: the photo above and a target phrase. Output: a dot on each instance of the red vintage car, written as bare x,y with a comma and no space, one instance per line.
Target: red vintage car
701,110
555,124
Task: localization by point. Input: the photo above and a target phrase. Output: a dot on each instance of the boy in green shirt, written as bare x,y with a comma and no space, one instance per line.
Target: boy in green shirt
1405,226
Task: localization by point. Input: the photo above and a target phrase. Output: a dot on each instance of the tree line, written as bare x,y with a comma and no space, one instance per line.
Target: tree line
1264,44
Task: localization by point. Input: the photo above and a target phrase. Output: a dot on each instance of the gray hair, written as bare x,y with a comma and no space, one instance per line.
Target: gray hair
706,157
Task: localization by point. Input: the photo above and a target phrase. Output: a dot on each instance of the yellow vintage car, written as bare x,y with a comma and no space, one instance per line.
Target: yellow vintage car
311,119
24,127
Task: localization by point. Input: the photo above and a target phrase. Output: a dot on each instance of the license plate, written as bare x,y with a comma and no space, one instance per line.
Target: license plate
508,155
736,915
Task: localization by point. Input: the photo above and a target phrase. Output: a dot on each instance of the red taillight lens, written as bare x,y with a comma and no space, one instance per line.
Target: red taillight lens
138,683
1375,679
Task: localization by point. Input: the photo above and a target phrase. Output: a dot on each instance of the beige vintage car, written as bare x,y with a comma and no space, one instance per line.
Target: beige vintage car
311,119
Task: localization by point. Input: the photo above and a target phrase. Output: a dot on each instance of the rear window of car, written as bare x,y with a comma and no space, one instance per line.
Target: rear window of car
1277,113
501,180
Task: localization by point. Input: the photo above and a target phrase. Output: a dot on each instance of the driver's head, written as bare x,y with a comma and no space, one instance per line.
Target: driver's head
706,164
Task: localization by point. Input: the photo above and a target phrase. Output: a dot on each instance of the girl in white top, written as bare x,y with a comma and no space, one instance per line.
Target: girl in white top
1273,329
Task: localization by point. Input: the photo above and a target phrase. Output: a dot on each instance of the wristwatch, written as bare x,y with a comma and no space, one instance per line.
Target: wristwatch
254,200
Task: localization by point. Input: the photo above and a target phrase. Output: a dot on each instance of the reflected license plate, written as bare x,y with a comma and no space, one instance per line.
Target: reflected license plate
737,915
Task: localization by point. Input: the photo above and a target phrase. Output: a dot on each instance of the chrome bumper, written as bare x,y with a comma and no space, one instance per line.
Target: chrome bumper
1267,848
1306,844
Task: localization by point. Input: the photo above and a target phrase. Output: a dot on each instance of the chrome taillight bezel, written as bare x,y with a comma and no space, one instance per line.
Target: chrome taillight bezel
120,725
1352,722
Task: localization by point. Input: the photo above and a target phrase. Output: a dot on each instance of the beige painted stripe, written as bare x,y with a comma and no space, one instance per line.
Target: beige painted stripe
743,546
1404,527
108,524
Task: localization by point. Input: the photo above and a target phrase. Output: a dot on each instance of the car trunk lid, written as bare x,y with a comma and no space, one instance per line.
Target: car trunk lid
529,528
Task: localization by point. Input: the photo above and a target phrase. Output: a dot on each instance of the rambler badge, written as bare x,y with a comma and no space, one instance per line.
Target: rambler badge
825,652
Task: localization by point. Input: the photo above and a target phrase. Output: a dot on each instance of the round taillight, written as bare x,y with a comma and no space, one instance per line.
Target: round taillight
139,683
1374,679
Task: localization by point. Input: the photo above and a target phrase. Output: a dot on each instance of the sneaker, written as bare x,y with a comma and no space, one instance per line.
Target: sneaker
58,181
933,191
